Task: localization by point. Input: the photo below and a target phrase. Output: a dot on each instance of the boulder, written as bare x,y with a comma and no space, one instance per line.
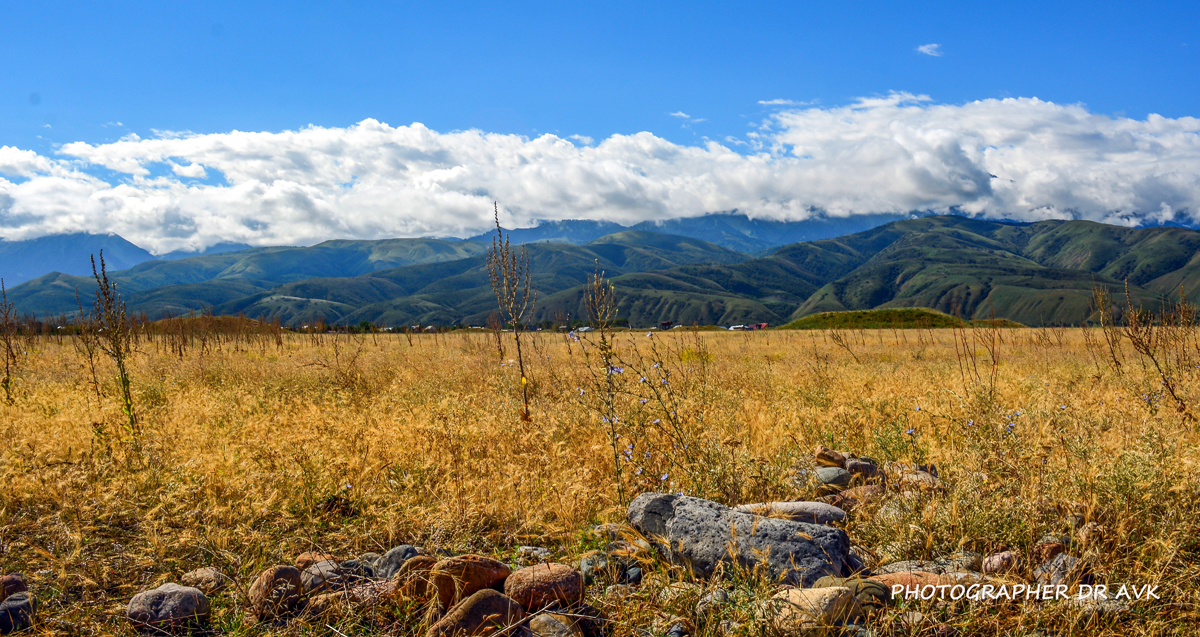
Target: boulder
10,584
459,577
799,611
554,625
210,580
812,512
389,564
17,612
168,608
276,592
827,457
545,585
484,612
702,535
323,577
308,558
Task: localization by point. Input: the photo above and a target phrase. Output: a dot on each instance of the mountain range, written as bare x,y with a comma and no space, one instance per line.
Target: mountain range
1036,274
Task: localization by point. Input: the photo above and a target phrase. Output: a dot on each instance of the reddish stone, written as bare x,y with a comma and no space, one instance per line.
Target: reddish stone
545,585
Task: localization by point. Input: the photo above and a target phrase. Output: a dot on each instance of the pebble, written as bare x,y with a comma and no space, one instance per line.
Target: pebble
168,608
484,612
458,577
276,592
545,585
811,512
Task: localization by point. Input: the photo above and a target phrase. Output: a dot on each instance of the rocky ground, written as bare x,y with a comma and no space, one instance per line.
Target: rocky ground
684,565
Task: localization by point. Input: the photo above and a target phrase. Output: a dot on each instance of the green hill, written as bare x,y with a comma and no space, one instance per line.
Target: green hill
900,318
1033,274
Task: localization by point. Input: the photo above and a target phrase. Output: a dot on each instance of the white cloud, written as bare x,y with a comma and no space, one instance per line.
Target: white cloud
931,49
680,114
894,153
783,102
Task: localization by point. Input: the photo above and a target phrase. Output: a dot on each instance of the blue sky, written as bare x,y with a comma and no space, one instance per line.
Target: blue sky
591,69
179,125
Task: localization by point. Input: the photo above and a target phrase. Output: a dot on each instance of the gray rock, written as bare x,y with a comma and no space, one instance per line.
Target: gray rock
535,554
702,535
169,608
1063,569
357,570
17,612
322,577
811,512
389,564
834,477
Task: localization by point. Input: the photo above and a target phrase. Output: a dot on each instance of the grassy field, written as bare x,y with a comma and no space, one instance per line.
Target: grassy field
250,451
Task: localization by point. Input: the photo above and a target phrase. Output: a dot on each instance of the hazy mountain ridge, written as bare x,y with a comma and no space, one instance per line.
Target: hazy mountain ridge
1032,273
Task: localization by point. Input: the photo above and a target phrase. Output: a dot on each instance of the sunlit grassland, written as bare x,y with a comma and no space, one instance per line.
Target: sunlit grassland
251,452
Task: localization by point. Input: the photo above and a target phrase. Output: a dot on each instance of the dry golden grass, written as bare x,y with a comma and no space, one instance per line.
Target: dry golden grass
251,454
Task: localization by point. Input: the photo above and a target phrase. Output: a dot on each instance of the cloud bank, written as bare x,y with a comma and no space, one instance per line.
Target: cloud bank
1021,159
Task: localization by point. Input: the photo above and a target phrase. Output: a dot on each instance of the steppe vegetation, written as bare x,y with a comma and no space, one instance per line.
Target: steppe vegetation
242,445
